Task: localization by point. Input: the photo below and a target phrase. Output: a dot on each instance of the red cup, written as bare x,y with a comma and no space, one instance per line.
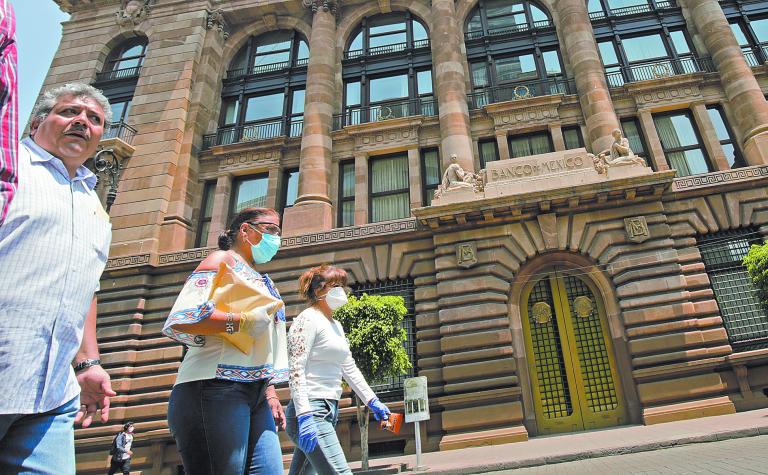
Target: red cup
393,424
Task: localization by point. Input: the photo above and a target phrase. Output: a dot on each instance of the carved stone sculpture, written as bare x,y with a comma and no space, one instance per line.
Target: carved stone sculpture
215,21
620,154
455,178
132,12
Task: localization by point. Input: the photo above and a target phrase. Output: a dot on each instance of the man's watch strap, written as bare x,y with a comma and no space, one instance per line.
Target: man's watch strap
86,364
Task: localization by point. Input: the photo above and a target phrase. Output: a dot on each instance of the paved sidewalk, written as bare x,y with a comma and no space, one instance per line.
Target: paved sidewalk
600,443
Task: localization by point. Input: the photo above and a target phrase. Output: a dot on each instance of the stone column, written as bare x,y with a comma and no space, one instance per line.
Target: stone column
502,142
709,137
220,212
361,189
741,87
578,40
655,149
414,177
448,64
313,210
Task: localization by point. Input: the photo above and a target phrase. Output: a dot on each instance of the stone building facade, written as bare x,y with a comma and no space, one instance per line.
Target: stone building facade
553,303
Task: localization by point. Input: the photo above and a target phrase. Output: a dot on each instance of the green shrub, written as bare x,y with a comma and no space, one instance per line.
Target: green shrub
756,262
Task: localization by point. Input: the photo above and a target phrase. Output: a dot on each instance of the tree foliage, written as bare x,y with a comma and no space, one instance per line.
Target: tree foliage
756,262
373,324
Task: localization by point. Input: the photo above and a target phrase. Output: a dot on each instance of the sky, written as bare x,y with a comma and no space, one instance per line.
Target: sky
38,32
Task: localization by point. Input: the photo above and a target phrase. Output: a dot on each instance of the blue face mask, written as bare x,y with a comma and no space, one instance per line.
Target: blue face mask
266,249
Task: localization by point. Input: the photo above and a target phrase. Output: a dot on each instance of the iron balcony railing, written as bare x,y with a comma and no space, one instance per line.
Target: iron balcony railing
658,69
386,49
119,130
633,10
254,132
424,106
757,55
117,74
509,30
265,68
521,90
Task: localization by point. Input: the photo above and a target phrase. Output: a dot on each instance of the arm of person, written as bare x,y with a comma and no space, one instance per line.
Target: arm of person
356,380
301,338
95,385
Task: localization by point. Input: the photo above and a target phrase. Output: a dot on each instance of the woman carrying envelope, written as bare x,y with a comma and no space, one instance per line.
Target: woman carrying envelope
223,407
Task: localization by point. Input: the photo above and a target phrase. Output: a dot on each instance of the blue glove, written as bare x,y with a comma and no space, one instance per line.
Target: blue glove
380,411
307,433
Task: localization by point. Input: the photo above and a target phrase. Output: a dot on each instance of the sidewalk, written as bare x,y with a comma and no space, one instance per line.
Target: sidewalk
600,443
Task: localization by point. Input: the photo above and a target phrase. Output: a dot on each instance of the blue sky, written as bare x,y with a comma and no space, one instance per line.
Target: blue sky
38,32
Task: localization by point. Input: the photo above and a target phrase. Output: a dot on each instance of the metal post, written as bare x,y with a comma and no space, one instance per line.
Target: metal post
418,447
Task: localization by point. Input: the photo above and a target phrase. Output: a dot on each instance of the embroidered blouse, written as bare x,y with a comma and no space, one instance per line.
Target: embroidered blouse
319,355
211,356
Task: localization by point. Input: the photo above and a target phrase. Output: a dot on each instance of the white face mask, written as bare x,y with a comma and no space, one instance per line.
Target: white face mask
335,298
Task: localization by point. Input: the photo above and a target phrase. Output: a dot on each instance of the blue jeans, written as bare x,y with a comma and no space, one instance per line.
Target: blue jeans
224,428
327,458
39,443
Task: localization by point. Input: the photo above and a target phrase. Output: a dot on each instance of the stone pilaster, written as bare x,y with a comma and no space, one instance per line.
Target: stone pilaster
556,132
709,137
414,177
578,44
274,188
313,210
448,65
361,188
652,141
502,142
220,211
743,92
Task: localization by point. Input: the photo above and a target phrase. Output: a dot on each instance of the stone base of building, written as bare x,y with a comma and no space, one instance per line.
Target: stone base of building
307,217
484,437
689,410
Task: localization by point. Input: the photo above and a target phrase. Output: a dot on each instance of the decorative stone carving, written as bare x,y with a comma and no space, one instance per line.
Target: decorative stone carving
620,154
718,178
456,178
132,12
466,254
637,229
215,21
542,313
368,138
325,5
583,306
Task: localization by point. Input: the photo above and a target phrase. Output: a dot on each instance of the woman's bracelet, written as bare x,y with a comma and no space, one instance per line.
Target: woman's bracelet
230,323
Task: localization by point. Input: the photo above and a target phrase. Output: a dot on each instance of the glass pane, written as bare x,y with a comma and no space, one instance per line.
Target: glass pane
680,42
739,34
730,153
357,43
717,120
614,4
572,138
696,161
760,27
393,87
264,107
552,62
632,133
347,213
209,193
273,58
519,147
297,103
251,193
128,63
475,24
424,80
348,180
431,167
595,6
520,67
488,152
644,47
133,51
419,32
502,7
291,187
303,50
385,208
540,143
353,93
538,14
389,174
241,60
378,29
675,131
120,110
274,42
392,39
231,108
608,52
202,238
479,74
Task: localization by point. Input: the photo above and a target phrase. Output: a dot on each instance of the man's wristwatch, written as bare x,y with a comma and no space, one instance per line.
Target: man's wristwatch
86,364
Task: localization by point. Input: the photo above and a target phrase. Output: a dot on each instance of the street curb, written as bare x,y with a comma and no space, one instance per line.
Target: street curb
603,452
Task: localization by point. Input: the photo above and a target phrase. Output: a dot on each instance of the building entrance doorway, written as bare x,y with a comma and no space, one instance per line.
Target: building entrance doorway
571,362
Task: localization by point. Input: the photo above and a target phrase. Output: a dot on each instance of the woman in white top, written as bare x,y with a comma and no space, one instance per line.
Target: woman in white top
319,356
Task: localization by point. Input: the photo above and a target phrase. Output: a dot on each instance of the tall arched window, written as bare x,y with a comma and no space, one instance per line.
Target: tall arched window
125,61
263,93
506,61
387,71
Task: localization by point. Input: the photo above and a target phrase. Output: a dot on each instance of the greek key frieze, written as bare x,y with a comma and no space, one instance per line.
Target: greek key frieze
718,178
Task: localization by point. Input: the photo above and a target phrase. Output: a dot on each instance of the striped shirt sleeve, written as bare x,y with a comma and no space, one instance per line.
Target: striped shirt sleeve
9,130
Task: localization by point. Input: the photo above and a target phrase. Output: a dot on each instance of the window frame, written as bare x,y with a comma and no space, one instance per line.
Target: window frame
237,182
400,191
345,199
209,193
483,163
738,157
285,180
641,135
579,137
696,131
528,136
426,188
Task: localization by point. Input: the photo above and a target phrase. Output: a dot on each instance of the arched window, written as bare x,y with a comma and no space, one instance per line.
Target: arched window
506,61
125,61
263,93
387,71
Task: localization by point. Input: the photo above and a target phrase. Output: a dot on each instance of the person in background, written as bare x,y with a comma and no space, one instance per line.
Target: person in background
53,248
223,407
121,458
319,356
9,127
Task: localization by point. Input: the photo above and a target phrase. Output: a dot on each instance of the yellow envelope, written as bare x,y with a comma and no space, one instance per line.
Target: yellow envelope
241,291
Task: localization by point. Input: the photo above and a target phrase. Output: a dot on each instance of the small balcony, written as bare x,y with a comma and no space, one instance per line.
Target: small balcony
509,30
424,106
119,130
658,69
633,10
118,74
260,69
254,132
522,90
386,49
756,56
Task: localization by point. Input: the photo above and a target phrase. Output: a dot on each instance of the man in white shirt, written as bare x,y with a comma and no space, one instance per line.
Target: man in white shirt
121,458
